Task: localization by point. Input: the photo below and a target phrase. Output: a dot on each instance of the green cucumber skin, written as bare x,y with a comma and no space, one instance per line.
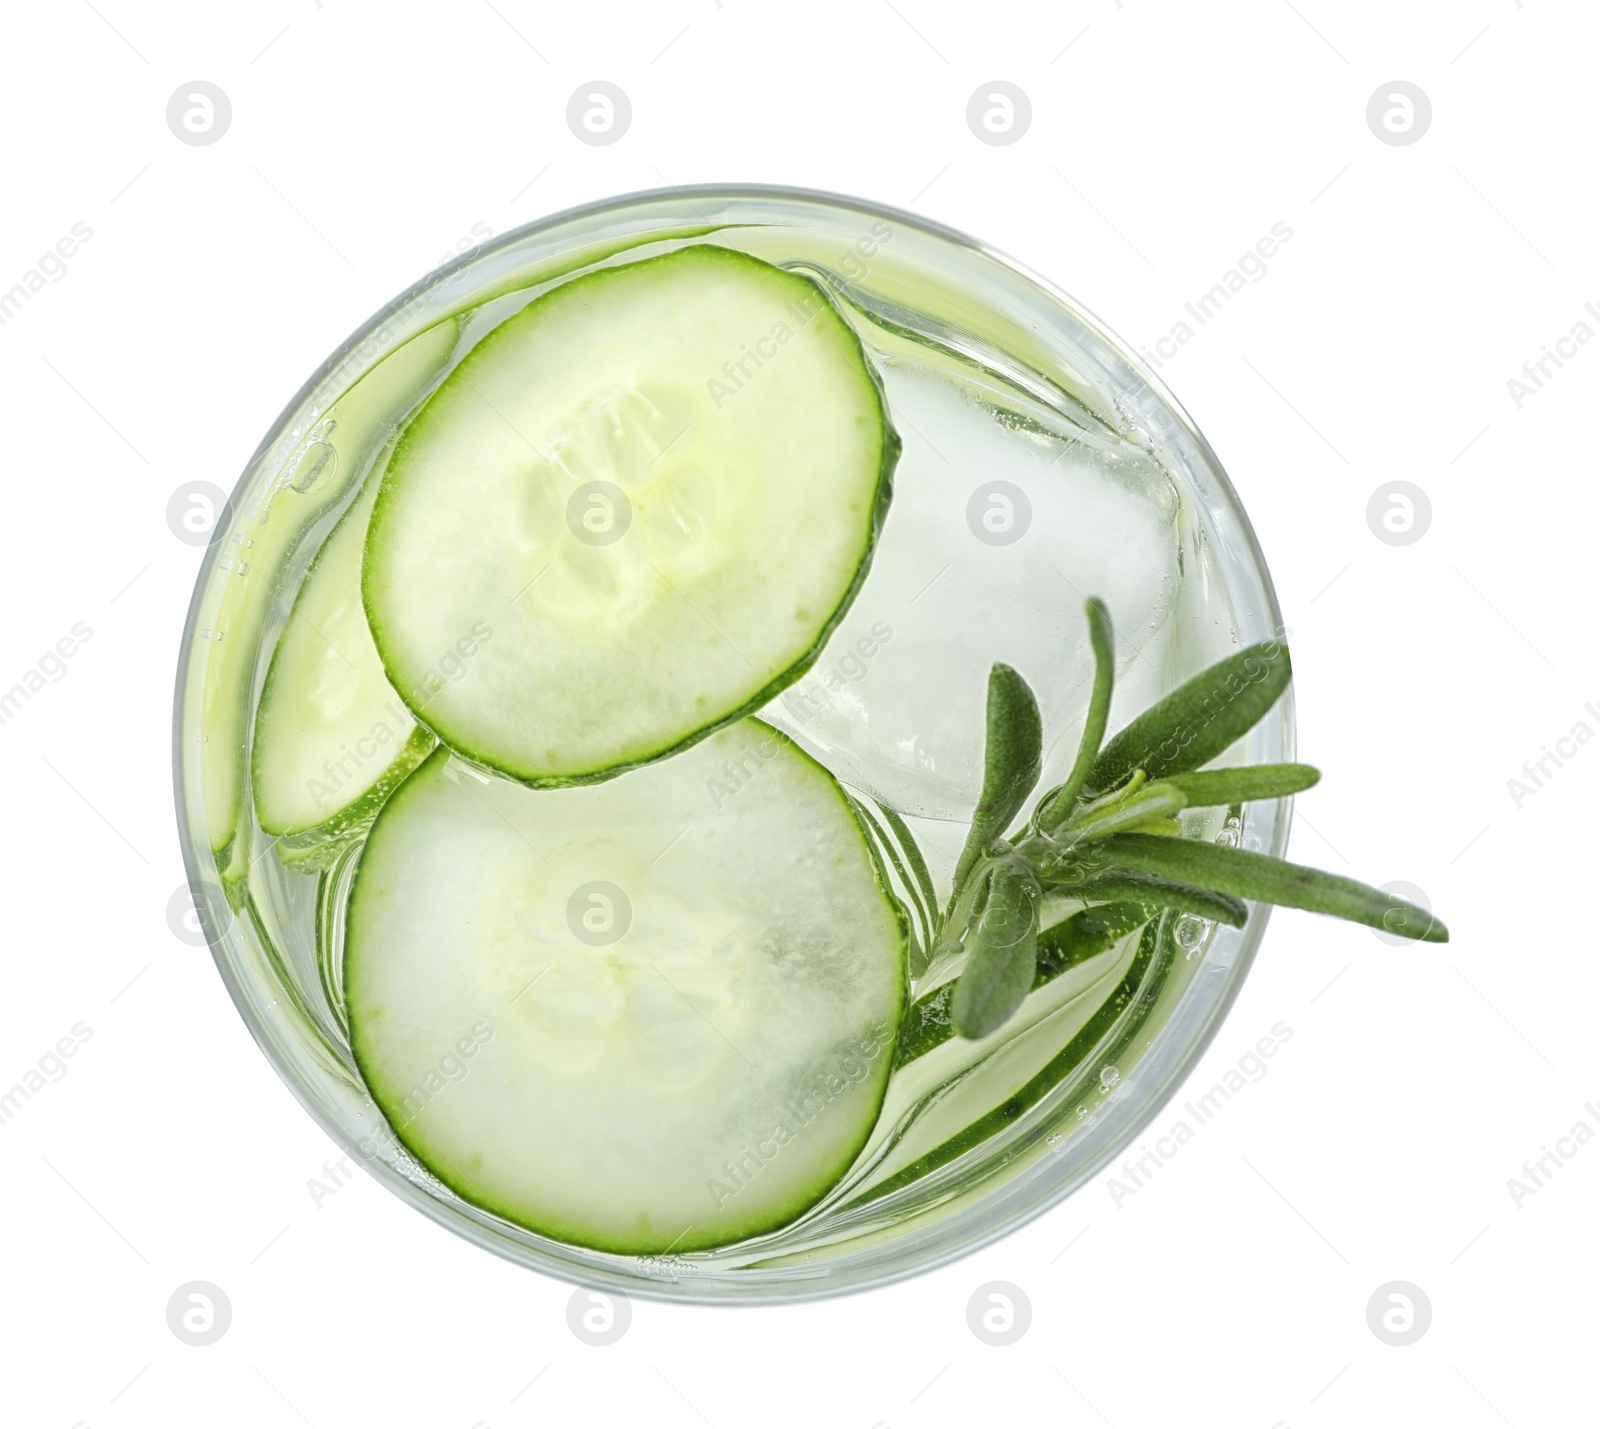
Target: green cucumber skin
1141,982
928,1023
329,892
889,457
882,849
317,845
458,1183
885,1037
592,258
320,847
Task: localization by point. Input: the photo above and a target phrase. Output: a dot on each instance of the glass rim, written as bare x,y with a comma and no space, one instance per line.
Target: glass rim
1019,1209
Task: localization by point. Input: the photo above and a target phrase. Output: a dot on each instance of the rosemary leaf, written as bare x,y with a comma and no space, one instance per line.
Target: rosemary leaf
1011,759
1198,720
1061,804
1242,784
1121,884
1271,880
1086,934
1104,1038
1166,827
1154,801
1001,953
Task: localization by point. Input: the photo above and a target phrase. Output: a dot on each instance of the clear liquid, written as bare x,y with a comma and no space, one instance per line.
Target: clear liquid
1011,506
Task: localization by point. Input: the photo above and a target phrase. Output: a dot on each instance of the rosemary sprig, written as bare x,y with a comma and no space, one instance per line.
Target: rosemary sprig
1271,880
1001,952
1059,805
1012,758
1086,934
1107,837
1198,720
1154,892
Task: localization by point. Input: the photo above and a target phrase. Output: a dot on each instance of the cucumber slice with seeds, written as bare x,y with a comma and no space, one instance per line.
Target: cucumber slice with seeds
658,486
655,1013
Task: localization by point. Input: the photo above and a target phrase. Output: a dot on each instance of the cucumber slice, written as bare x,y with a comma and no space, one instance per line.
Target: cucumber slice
332,738
653,1013
658,486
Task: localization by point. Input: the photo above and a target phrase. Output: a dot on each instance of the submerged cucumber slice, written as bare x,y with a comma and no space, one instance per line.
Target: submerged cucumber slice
235,607
658,486
653,1013
332,738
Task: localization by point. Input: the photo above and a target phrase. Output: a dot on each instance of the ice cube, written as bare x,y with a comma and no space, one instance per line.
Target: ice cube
895,704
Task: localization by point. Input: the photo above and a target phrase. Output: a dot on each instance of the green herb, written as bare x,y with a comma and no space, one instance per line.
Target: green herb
1152,801
1271,880
1086,934
1105,1036
1071,942
1109,836
1061,804
1239,786
1198,720
1012,757
1154,892
1001,951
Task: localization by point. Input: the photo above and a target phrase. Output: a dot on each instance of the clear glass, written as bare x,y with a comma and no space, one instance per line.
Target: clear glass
1042,376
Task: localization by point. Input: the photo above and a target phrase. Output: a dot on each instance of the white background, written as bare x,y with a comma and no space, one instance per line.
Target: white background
1166,139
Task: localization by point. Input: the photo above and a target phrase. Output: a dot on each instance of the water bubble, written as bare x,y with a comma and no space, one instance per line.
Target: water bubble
1190,934
317,460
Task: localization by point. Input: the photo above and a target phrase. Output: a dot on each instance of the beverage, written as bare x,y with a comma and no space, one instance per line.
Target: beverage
1036,469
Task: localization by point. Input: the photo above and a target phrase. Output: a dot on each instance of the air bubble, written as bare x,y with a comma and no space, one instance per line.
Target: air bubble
315,469
1190,933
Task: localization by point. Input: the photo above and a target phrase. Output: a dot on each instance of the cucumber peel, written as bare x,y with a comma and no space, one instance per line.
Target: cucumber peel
332,739
631,1015
659,486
